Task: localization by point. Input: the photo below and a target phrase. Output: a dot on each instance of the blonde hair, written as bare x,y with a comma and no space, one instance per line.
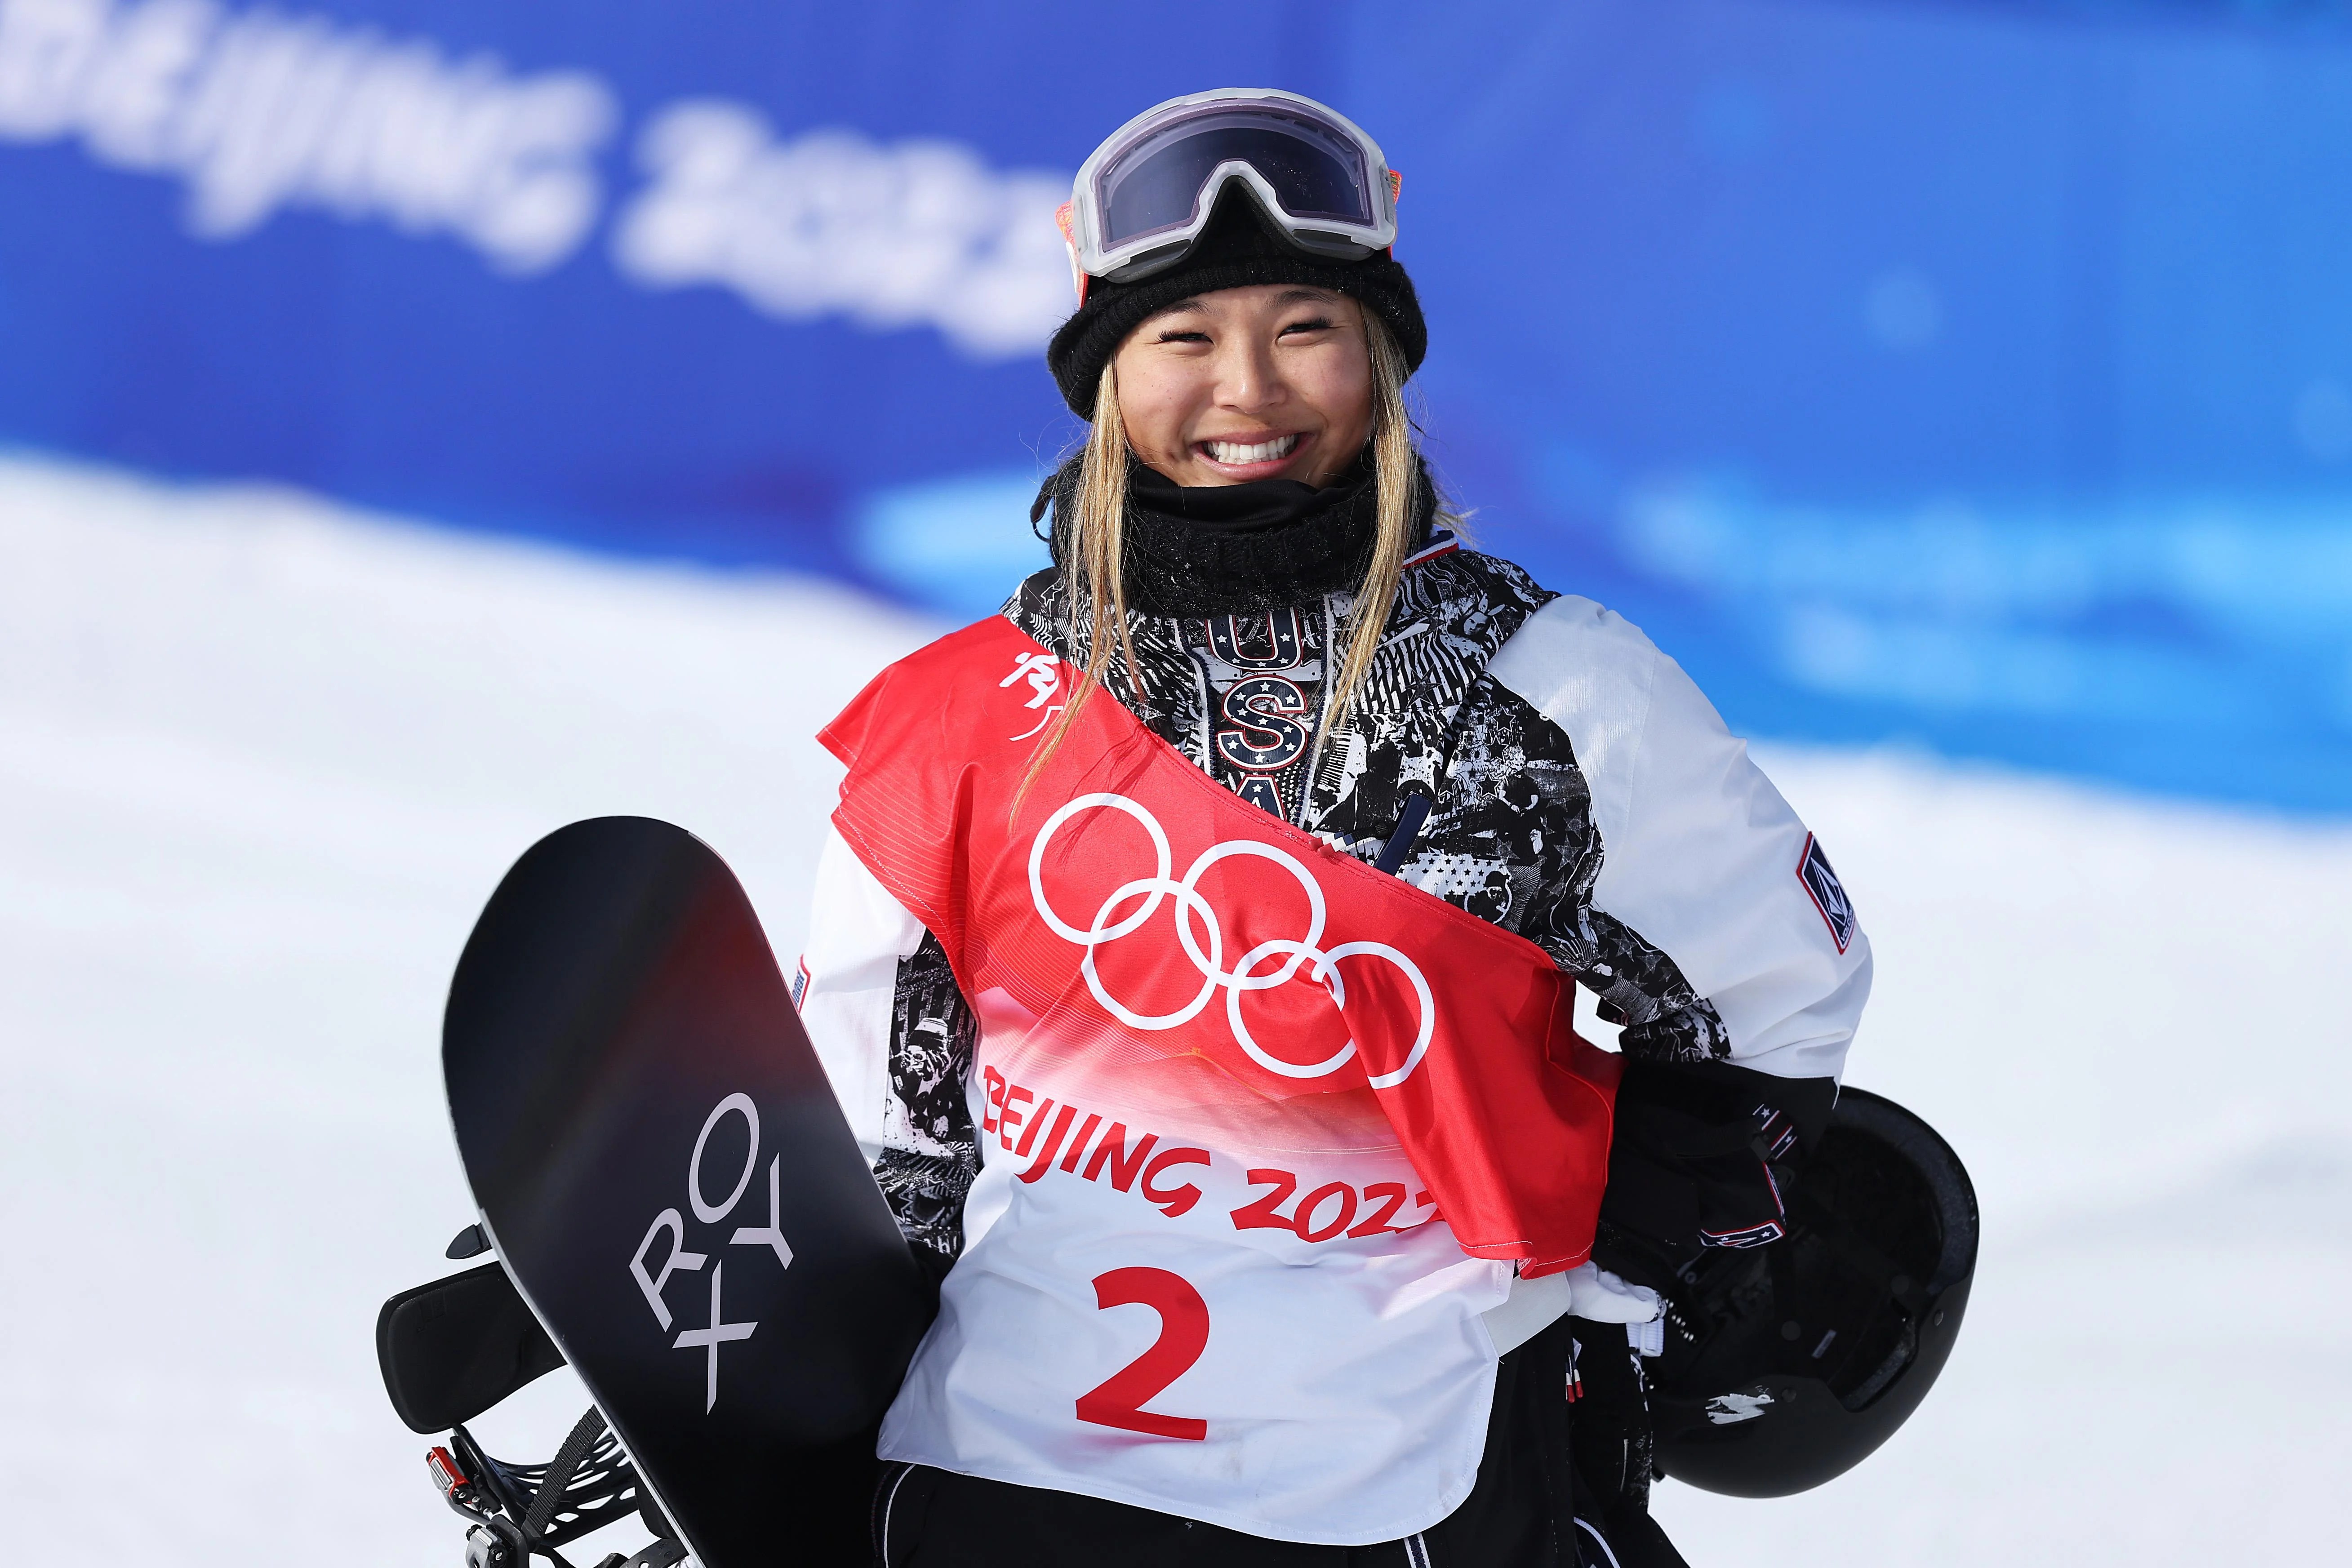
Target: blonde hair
1094,549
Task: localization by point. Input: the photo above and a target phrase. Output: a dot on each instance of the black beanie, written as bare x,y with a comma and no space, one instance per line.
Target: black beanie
1239,248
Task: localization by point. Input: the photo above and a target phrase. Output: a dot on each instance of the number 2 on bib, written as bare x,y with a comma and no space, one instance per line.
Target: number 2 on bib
1184,1334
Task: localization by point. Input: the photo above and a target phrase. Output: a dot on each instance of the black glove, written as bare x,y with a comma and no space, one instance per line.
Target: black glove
1701,1157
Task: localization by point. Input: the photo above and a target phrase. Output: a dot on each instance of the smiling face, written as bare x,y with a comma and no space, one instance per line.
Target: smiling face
1271,382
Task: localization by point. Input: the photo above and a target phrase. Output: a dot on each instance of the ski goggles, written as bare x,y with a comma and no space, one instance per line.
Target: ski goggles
1143,197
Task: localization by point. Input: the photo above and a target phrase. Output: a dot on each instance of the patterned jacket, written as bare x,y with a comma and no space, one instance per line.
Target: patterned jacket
1578,791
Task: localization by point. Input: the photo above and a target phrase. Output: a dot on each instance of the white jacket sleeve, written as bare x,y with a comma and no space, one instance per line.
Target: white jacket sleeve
847,987
1700,856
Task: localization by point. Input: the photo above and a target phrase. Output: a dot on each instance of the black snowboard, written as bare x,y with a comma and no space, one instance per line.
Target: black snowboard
660,1162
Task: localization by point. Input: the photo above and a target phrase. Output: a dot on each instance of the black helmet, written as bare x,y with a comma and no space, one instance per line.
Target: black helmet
1786,1365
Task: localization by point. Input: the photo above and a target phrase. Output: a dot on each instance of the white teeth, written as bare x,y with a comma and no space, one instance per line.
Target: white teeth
1234,452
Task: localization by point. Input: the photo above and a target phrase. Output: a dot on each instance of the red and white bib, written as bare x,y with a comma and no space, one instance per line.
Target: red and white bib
1263,1131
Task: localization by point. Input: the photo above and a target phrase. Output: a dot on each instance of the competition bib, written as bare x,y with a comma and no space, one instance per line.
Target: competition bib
1262,1129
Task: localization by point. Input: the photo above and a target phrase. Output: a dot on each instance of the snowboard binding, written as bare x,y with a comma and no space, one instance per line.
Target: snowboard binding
644,1124
452,1349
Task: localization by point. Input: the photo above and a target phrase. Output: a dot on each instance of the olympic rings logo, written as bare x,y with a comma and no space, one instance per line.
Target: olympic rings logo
1244,977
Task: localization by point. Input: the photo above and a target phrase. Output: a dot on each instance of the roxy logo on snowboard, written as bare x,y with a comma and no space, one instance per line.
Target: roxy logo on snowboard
668,1236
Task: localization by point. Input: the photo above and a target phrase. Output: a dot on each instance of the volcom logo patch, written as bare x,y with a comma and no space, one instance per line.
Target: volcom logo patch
1828,893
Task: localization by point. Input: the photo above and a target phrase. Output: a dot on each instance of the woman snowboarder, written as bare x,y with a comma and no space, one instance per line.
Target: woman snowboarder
1203,935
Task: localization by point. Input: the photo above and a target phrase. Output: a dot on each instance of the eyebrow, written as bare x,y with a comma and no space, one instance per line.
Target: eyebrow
1178,307
1298,296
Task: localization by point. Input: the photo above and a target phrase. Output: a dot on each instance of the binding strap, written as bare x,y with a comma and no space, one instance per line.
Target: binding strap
548,1497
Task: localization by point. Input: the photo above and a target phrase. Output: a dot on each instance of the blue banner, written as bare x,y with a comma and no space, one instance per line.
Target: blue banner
1970,377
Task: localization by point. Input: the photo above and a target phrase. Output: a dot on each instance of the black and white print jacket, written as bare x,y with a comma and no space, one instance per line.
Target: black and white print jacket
1579,790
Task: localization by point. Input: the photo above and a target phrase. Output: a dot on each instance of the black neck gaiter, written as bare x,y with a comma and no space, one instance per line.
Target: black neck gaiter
1225,549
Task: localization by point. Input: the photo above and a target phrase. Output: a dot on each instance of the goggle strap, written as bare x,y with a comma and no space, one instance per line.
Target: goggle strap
1065,218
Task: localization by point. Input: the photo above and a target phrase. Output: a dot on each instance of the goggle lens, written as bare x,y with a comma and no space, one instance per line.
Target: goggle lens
1155,186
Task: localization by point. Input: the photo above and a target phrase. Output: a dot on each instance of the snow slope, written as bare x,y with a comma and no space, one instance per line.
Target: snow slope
262,758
